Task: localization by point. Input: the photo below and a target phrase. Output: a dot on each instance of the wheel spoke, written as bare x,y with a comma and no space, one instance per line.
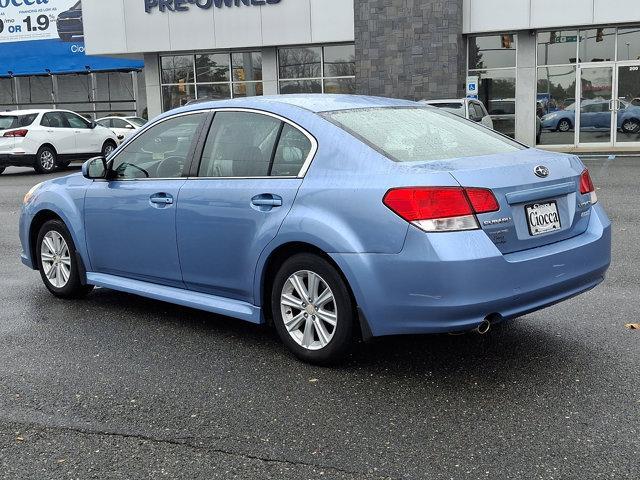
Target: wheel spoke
323,335
49,244
295,322
307,337
297,283
65,273
324,298
46,257
51,273
66,261
313,282
291,301
327,317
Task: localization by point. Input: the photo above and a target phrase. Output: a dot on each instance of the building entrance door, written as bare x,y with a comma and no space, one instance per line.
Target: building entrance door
627,105
595,112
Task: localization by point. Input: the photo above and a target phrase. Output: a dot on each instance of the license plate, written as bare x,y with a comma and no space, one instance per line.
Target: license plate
542,218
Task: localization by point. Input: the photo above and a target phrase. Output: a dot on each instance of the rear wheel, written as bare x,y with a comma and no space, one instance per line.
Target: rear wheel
45,160
57,261
108,148
312,309
631,126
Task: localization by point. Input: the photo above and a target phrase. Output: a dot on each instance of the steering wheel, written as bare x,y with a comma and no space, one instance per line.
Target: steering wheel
170,167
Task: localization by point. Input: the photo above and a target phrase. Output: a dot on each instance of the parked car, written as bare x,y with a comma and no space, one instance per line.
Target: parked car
503,114
327,216
47,139
69,24
465,108
594,115
123,127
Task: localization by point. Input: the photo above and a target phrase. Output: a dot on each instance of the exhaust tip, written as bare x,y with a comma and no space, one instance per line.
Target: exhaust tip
484,327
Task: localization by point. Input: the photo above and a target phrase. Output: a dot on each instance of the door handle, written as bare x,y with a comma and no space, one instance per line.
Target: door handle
266,201
161,199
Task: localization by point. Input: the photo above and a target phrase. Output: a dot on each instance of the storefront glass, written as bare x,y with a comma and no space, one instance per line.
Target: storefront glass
556,104
493,59
329,69
214,76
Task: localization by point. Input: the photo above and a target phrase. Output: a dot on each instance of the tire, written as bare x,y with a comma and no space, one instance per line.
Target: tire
564,125
2,169
56,254
46,160
108,147
631,126
320,334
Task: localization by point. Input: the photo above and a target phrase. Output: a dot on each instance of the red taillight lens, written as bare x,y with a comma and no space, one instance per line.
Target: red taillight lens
441,208
586,185
16,133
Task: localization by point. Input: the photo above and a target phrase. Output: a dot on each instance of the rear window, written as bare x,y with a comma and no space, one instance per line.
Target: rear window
453,107
415,134
16,121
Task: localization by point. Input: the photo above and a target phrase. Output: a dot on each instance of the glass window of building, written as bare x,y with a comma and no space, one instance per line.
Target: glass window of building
214,76
629,43
494,51
556,104
597,45
329,69
493,59
7,93
557,48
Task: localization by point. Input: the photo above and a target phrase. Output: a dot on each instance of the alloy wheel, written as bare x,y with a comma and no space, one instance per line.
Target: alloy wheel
630,126
47,160
108,150
309,310
56,259
564,126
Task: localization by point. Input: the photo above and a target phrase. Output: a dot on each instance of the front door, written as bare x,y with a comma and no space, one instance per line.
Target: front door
246,184
87,142
130,220
595,112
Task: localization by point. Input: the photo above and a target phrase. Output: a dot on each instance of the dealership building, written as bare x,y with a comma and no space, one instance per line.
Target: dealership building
562,74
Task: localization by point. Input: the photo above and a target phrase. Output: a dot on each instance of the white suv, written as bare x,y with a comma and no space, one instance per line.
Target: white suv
48,139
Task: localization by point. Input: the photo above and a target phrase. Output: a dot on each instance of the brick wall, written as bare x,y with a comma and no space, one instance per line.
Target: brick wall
410,49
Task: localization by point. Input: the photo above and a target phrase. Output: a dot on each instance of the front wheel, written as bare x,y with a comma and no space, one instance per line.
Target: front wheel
57,261
45,160
564,125
312,309
108,148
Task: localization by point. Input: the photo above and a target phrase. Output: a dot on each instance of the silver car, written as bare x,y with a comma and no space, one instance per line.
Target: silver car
464,107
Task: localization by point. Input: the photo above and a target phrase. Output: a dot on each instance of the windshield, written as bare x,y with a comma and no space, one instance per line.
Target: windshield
416,134
137,121
16,121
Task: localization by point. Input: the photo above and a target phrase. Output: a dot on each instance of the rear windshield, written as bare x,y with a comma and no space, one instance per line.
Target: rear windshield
16,121
418,134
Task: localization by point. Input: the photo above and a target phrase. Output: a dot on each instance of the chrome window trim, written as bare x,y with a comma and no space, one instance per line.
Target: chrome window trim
305,165
301,174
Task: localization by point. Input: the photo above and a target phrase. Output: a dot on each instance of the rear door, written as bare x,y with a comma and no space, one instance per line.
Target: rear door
529,186
246,184
59,133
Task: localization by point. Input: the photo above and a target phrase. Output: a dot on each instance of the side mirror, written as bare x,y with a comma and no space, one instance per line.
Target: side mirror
95,168
93,124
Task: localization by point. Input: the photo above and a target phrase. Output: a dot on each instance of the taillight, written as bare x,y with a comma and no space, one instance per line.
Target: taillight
16,133
441,209
586,186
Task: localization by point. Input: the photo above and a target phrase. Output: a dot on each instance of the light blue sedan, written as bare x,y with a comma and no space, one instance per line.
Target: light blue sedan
594,115
328,217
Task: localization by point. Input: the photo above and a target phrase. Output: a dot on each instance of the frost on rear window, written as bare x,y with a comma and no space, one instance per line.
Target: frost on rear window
417,134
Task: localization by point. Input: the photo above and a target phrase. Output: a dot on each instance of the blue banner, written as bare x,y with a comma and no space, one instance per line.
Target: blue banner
47,37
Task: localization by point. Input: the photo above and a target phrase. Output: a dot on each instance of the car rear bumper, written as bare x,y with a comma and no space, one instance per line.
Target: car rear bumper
446,282
17,160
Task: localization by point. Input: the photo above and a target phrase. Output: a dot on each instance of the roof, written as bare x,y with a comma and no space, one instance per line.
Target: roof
25,112
448,100
313,102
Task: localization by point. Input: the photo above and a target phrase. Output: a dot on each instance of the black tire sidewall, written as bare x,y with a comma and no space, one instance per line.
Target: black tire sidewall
2,169
74,287
38,166
343,336
104,147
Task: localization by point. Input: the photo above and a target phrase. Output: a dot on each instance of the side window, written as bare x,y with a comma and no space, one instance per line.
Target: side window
54,120
161,151
293,149
76,121
119,123
104,122
239,144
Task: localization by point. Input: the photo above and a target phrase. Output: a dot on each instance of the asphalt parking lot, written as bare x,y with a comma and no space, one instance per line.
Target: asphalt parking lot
115,386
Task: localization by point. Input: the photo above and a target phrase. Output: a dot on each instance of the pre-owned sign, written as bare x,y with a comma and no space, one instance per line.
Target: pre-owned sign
183,5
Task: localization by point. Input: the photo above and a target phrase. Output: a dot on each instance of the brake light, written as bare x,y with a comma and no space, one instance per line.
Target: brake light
440,209
586,186
16,133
